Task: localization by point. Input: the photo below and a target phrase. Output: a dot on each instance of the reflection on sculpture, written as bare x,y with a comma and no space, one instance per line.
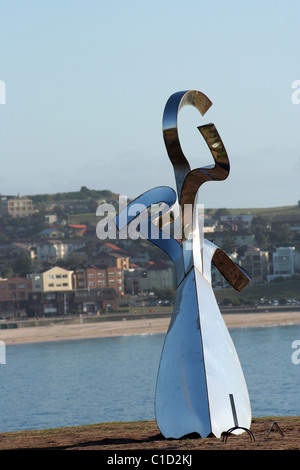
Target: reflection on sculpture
200,384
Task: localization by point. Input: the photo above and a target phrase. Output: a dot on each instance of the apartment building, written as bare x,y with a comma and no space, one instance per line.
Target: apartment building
14,293
58,291
101,276
16,206
51,250
95,301
283,262
54,279
159,275
133,280
256,262
49,304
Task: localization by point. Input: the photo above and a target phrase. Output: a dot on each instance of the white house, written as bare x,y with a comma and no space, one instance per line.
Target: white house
51,250
283,262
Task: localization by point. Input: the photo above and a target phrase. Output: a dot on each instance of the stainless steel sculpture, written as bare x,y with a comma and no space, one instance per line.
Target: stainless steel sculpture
200,384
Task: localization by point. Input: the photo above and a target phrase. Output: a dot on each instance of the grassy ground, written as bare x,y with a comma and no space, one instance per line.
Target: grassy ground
144,435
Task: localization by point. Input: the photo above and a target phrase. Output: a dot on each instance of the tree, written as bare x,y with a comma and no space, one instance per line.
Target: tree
60,212
260,228
220,212
282,237
22,264
92,205
36,223
7,272
73,261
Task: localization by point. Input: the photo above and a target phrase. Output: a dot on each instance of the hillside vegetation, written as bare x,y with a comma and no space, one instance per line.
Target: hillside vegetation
266,211
281,290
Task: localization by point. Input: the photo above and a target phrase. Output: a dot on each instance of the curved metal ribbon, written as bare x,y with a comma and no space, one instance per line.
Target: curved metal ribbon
170,245
189,181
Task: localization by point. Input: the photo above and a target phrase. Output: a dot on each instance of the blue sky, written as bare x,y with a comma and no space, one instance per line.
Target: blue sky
87,82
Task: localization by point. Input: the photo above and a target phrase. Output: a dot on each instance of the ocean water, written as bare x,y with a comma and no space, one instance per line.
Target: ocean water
69,383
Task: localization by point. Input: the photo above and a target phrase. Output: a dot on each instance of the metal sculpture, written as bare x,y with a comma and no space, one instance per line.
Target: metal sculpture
200,384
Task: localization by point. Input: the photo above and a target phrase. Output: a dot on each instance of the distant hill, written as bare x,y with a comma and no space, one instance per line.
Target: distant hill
84,193
262,211
97,194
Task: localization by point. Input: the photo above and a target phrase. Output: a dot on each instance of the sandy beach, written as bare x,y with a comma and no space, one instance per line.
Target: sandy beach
71,331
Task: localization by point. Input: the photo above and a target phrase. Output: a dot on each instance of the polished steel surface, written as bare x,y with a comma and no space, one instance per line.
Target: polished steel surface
181,403
189,181
199,367
200,383
147,227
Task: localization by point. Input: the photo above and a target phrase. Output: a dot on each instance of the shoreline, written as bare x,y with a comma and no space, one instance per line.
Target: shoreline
131,327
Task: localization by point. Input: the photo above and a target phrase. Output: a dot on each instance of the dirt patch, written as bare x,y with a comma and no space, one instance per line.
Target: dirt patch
144,435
